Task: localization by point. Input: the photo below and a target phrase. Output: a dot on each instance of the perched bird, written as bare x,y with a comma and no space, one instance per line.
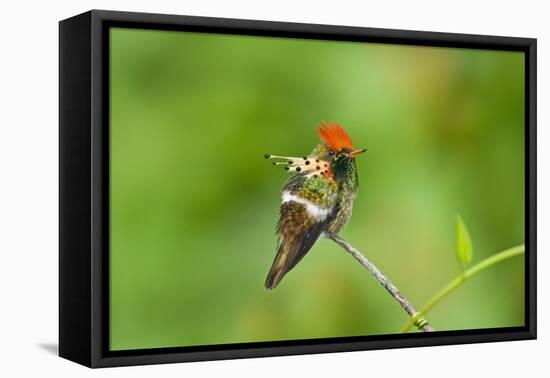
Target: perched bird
317,198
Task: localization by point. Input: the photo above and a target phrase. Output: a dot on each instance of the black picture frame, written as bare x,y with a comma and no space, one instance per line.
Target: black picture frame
84,194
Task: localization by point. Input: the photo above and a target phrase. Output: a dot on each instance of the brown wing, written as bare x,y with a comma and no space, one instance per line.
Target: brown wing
297,233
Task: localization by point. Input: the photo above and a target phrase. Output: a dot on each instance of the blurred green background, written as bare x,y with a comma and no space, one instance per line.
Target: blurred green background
194,204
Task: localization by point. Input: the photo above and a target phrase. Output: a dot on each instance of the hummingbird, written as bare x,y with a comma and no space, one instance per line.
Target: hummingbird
317,198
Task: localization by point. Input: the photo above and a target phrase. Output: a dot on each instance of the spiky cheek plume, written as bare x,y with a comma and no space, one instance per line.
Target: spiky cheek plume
308,166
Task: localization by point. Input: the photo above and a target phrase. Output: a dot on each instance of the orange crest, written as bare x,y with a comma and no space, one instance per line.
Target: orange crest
335,136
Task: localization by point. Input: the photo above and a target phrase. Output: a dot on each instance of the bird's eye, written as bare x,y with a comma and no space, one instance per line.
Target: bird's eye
331,152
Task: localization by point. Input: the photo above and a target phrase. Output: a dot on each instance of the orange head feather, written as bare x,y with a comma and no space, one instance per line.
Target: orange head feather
334,136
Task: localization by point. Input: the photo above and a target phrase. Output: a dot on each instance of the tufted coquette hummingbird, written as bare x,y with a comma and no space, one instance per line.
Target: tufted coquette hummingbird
317,198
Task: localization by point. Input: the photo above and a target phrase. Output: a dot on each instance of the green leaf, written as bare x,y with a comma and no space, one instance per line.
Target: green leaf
464,250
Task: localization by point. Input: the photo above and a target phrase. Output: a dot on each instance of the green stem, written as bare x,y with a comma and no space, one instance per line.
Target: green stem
458,281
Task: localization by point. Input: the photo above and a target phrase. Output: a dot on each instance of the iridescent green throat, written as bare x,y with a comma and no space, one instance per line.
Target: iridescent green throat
345,171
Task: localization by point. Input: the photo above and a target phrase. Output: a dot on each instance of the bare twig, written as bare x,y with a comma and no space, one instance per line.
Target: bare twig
419,321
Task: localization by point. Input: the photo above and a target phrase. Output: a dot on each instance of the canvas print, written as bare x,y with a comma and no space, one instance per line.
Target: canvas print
269,189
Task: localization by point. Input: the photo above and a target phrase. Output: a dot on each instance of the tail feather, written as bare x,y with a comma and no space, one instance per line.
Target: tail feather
297,233
289,253
277,271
